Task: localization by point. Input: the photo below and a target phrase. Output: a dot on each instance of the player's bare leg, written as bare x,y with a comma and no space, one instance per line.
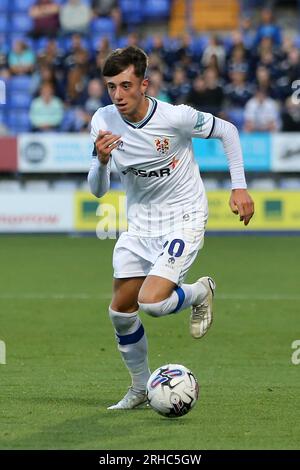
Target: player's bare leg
132,341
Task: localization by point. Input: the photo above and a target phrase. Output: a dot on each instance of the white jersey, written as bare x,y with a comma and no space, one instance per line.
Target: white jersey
157,166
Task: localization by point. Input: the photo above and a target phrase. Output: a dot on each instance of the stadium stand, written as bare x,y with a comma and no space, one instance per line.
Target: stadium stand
215,62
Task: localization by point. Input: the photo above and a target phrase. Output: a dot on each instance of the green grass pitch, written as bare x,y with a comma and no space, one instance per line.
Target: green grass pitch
63,369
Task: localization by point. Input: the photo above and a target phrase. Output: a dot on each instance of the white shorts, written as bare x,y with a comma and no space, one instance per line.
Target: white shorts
169,256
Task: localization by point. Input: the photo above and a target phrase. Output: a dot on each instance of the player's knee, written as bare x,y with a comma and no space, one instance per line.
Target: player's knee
123,306
153,309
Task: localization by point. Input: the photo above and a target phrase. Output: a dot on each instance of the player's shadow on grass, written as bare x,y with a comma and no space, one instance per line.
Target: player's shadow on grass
100,429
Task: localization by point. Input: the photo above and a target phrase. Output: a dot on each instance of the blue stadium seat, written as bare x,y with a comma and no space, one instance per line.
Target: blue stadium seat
2,116
199,44
40,44
104,27
18,120
132,11
21,22
22,5
156,9
19,83
4,23
19,99
4,5
236,117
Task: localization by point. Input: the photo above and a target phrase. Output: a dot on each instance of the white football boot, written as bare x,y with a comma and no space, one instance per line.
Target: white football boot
131,400
202,314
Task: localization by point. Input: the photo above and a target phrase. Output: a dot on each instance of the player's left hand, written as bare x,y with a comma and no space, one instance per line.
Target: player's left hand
241,203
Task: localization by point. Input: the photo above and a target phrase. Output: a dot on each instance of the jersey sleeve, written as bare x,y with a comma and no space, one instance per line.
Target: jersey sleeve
196,123
97,124
99,175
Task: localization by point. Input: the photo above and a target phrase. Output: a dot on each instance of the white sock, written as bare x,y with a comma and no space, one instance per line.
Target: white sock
181,298
132,344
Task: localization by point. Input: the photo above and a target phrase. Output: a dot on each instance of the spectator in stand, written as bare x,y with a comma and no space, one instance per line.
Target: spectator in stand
101,53
158,48
75,17
156,86
108,8
214,91
179,86
293,65
47,110
291,115
3,57
197,95
269,61
52,55
238,91
268,28
206,93
45,15
214,48
82,115
247,32
21,59
46,73
263,82
238,60
76,64
77,54
262,114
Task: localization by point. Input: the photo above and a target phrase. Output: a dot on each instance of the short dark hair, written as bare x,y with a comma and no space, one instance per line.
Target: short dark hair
120,59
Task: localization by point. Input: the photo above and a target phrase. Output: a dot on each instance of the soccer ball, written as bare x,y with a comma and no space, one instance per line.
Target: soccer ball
172,390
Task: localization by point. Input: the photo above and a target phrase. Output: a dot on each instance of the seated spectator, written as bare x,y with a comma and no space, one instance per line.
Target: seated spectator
291,116
238,60
238,91
247,31
206,93
214,48
46,111
21,59
3,54
77,54
102,52
197,96
263,82
179,86
268,28
52,55
45,15
75,17
108,8
94,100
45,73
156,87
262,114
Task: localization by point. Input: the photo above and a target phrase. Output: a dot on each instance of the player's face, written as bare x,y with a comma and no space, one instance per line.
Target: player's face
127,92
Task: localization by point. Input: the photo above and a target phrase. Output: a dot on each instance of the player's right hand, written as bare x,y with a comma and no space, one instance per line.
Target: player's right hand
105,143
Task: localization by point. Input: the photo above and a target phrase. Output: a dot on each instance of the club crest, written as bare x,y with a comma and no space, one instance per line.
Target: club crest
162,145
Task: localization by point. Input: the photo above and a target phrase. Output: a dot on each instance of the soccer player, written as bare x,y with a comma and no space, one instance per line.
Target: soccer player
150,143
